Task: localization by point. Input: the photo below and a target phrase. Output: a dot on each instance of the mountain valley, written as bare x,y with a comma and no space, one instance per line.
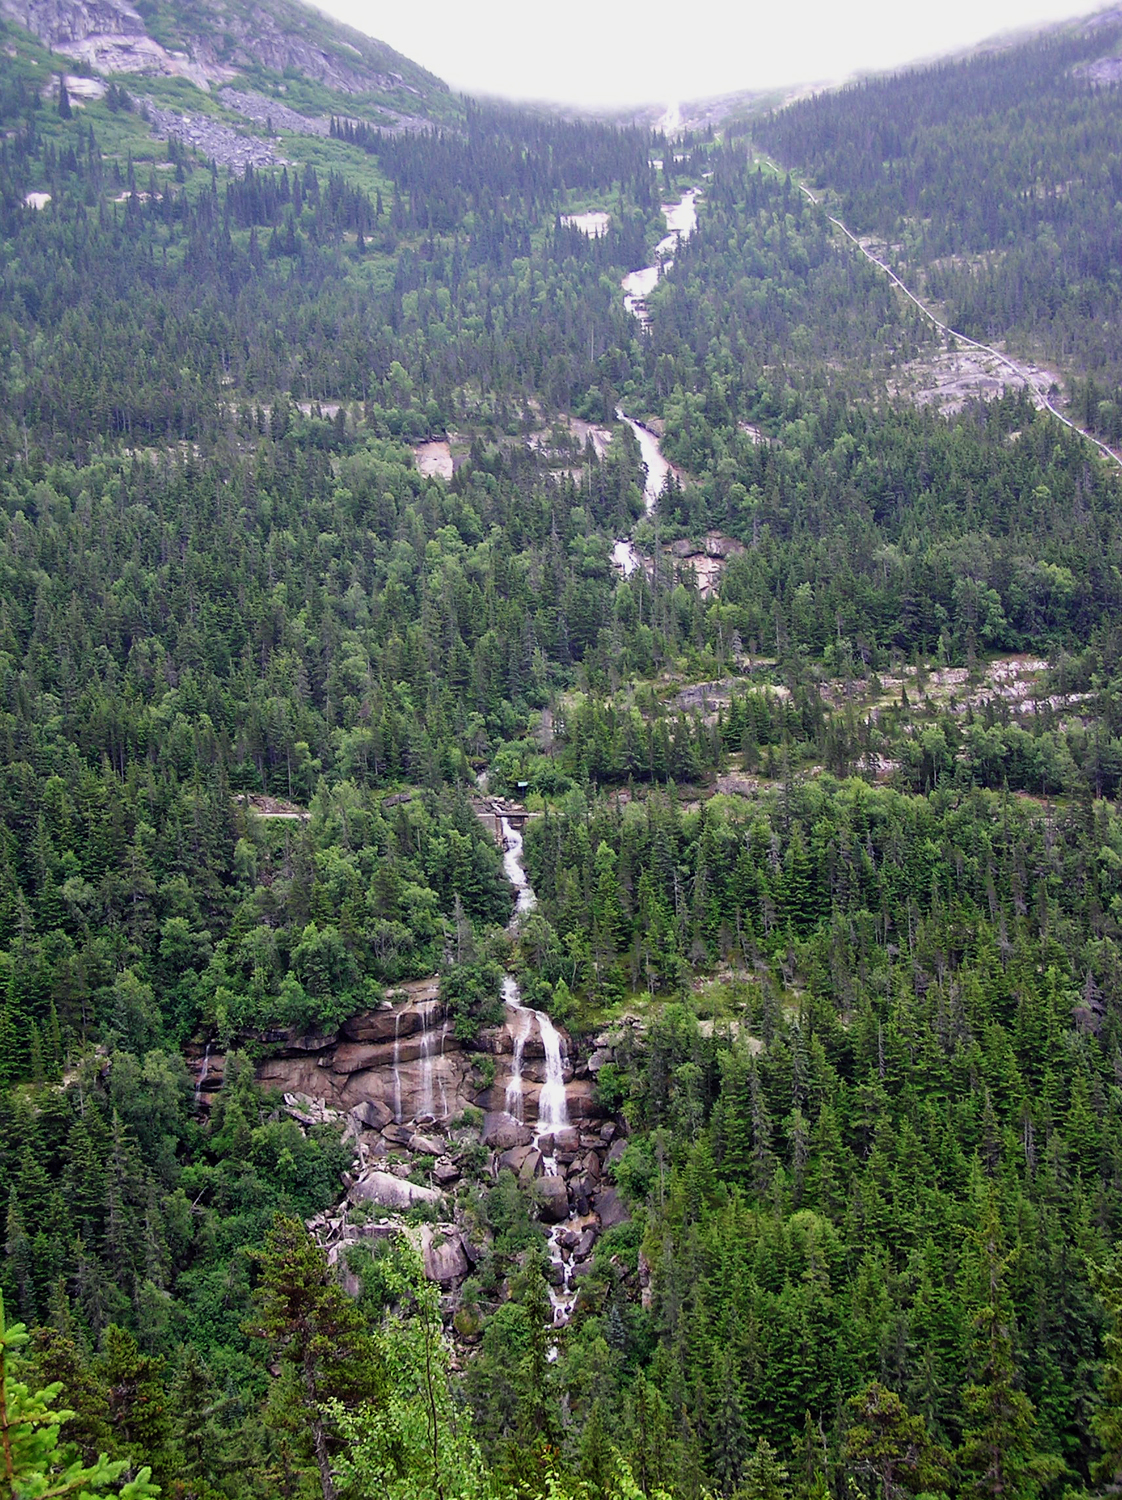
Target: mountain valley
560,744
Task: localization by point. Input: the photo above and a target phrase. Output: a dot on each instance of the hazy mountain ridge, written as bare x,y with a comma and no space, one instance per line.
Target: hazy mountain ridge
325,509
214,41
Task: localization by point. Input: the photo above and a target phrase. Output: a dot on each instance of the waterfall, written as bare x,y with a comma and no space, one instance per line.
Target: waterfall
440,1076
429,1042
203,1071
513,869
681,221
553,1109
522,1021
397,1067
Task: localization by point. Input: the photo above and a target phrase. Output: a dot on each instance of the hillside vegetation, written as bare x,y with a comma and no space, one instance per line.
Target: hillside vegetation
827,856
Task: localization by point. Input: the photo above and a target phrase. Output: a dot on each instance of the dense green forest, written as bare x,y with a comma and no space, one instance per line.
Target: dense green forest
995,181
827,849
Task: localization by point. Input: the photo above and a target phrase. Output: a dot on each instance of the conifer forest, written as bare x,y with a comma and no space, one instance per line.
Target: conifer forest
560,759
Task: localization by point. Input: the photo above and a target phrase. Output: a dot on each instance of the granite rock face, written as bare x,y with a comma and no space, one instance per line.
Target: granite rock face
215,41
427,1115
60,23
388,1191
406,1059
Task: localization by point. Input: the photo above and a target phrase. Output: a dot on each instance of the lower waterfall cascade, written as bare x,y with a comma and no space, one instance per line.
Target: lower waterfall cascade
553,1109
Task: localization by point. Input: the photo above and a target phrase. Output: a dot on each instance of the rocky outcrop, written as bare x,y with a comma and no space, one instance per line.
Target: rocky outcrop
564,1174
426,1114
405,1059
388,1191
62,23
216,41
225,146
109,36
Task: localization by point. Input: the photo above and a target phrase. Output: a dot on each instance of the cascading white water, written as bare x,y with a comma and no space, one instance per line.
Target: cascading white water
520,1024
432,1041
624,555
657,467
203,1071
397,1067
553,1109
513,868
681,221
553,1106
440,1074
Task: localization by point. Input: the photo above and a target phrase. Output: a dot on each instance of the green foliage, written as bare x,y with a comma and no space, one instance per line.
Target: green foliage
893,1446
36,1465
995,174
314,1326
419,1441
253,661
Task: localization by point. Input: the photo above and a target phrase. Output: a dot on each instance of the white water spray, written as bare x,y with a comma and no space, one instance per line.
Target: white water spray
513,868
432,1044
203,1071
521,1021
397,1068
553,1106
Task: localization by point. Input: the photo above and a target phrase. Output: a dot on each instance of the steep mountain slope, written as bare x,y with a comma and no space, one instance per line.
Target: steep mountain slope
993,183
313,486
214,41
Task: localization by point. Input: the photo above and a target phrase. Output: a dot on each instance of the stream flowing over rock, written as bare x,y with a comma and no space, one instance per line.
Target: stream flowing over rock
408,1093
681,221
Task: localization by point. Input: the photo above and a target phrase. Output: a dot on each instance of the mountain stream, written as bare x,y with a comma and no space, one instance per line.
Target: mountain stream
681,221
553,1109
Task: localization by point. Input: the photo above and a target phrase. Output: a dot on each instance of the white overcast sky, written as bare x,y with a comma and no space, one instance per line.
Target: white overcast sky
599,52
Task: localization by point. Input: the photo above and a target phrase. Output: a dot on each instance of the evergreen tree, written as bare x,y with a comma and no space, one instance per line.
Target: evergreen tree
36,1463
1107,1420
998,1452
893,1446
317,1330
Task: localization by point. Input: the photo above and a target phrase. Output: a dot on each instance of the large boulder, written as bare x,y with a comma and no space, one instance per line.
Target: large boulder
426,1145
501,1133
611,1209
553,1199
372,1113
585,1245
578,1097
531,1166
515,1157
443,1255
389,1191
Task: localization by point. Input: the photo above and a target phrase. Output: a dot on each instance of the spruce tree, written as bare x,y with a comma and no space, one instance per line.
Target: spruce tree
998,1452
1107,1420
316,1329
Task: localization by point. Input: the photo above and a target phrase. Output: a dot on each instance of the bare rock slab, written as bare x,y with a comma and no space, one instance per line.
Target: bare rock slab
553,1200
389,1191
